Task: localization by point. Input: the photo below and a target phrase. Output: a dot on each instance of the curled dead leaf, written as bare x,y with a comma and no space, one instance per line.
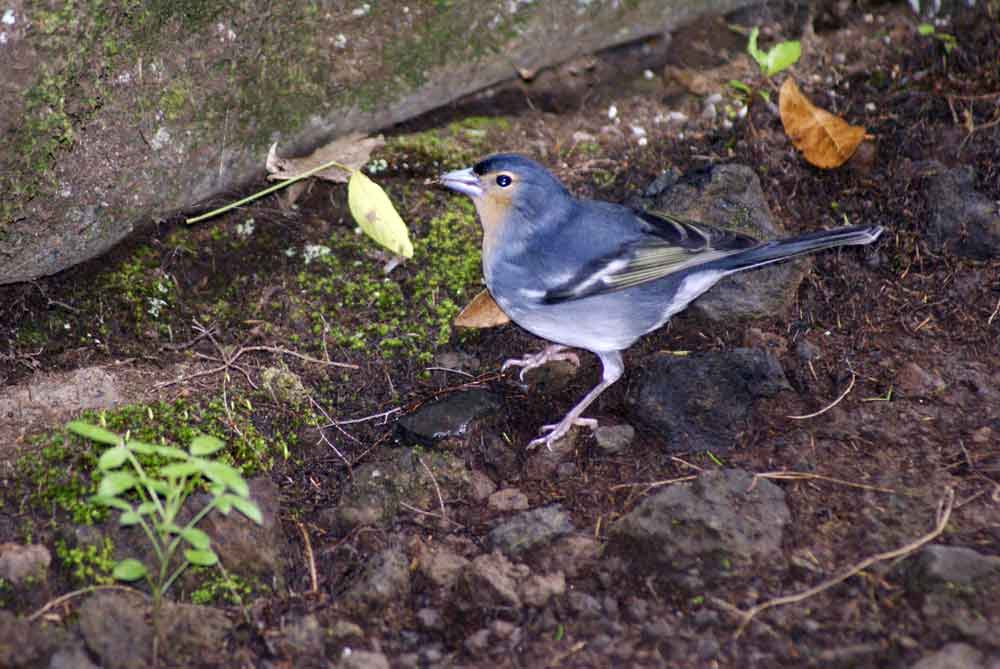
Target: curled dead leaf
481,312
824,139
353,151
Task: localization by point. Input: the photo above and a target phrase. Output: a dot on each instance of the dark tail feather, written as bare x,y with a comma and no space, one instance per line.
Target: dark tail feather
782,249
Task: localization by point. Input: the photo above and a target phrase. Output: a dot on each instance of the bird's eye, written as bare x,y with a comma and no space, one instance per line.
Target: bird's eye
503,181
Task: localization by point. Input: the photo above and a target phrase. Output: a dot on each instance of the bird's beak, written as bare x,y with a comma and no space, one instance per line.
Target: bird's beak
462,181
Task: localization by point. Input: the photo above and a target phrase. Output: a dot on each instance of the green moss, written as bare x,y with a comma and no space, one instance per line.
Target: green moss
457,145
141,289
88,564
221,589
61,475
352,303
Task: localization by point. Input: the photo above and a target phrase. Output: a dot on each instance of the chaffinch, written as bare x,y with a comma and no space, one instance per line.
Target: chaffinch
595,275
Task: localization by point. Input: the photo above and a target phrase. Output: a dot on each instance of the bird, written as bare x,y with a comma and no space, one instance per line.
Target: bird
594,275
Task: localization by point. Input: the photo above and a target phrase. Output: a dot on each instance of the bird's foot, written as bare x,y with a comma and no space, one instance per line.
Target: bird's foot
550,353
559,430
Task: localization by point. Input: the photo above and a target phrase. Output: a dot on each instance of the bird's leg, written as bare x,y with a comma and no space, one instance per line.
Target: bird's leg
613,369
553,352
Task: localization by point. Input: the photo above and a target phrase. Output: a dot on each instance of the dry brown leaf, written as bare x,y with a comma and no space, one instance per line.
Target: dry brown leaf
351,150
481,312
825,140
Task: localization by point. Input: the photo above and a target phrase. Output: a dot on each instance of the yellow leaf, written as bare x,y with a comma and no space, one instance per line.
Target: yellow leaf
825,140
374,212
481,312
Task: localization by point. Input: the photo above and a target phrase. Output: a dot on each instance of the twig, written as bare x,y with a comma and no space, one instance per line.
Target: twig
410,507
444,513
996,311
309,557
943,515
805,476
654,484
350,421
62,599
229,362
822,411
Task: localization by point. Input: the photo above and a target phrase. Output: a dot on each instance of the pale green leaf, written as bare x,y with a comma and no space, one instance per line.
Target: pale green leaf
94,433
374,212
114,502
925,29
115,483
202,558
129,518
112,458
196,538
782,56
129,570
206,444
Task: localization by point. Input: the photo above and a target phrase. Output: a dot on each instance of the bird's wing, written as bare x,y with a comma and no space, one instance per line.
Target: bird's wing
665,245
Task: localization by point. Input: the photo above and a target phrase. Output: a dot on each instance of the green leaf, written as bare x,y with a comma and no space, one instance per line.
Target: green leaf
129,570
196,538
782,56
206,444
180,469
220,472
925,29
373,211
146,508
754,52
140,447
740,86
115,483
114,502
93,433
201,558
171,452
112,458
159,487
247,507
129,518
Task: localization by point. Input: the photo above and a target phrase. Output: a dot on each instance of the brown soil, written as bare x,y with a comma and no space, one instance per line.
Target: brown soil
914,303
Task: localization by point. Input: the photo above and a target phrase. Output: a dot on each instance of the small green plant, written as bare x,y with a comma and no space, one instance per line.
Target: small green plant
947,41
779,57
161,498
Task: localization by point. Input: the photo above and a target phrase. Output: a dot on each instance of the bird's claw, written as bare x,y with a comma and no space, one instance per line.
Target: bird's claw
558,430
534,360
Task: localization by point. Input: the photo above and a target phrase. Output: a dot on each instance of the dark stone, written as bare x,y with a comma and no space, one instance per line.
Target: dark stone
730,197
530,529
940,565
724,519
962,220
702,401
449,416
386,579
26,644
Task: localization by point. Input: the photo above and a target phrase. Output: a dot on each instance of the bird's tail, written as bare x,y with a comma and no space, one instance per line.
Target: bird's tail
780,249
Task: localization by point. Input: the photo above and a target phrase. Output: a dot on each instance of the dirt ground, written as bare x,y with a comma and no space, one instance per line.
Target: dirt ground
909,341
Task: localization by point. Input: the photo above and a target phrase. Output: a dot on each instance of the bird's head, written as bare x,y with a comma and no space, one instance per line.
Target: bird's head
507,190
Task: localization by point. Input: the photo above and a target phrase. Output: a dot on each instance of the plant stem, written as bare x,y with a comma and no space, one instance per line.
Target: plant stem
269,190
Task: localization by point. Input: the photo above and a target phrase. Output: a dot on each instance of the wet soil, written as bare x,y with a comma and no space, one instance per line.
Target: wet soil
912,330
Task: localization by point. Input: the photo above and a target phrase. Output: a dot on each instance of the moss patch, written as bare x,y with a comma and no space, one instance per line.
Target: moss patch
355,305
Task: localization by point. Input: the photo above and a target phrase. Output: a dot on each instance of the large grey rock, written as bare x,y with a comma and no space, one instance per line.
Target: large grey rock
112,117
385,579
703,401
963,220
722,521
730,197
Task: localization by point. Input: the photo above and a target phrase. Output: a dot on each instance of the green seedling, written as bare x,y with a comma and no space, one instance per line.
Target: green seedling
779,57
161,497
947,41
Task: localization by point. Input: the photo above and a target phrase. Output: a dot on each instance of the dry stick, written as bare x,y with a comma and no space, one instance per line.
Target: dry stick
228,362
309,557
444,513
943,515
654,484
806,476
835,402
62,599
